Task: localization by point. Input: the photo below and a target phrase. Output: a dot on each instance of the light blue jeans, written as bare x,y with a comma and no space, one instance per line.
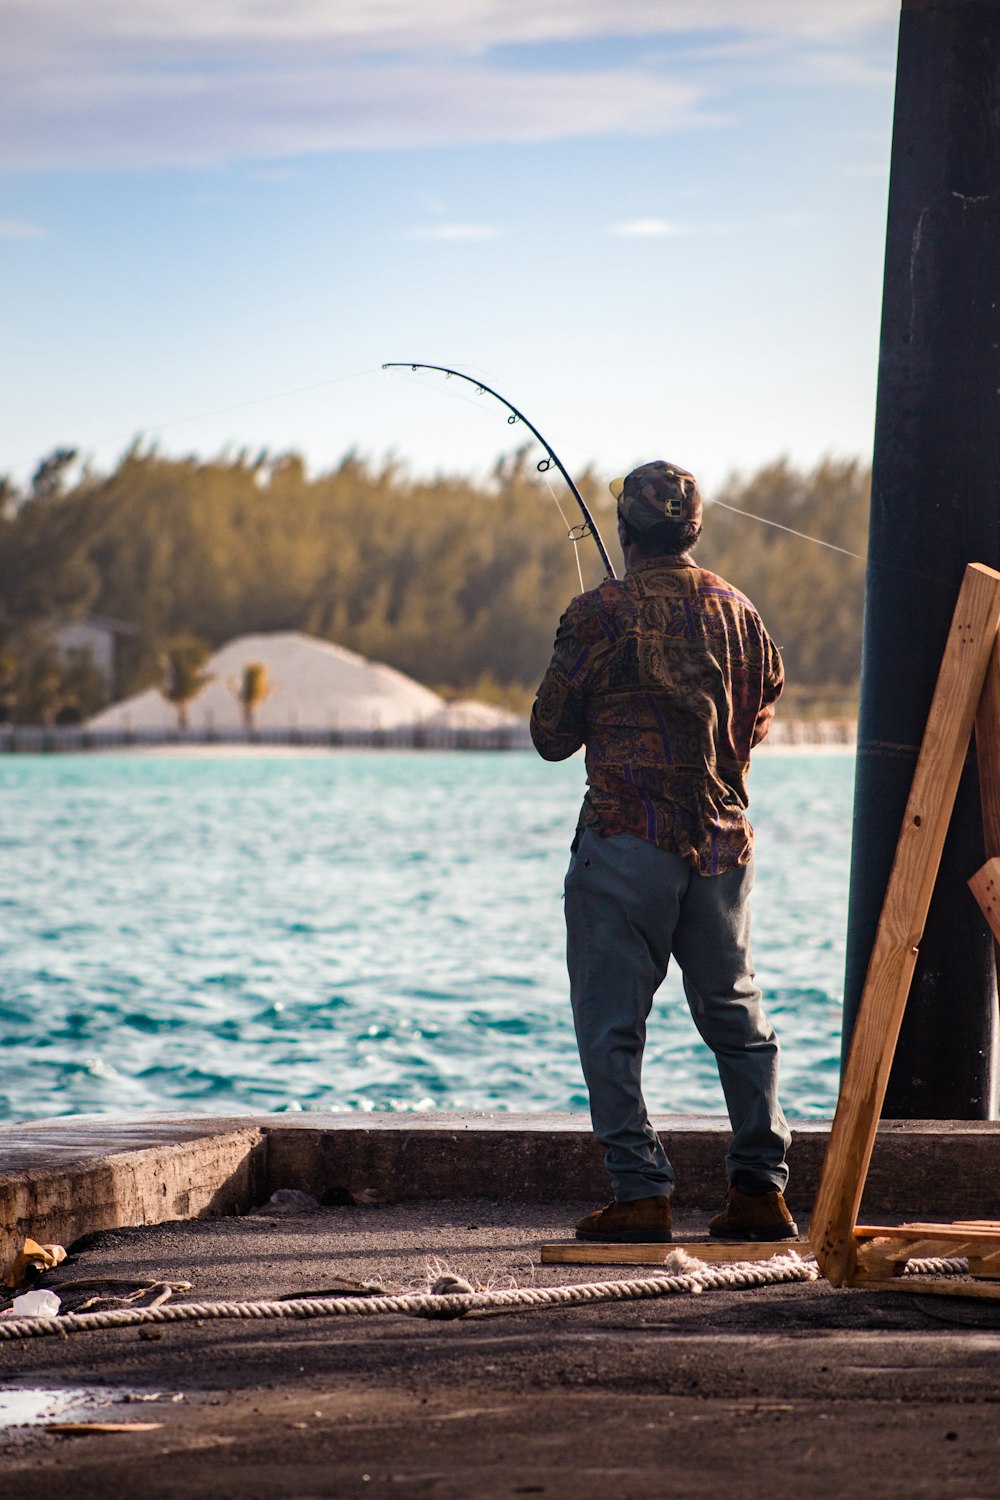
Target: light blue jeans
629,906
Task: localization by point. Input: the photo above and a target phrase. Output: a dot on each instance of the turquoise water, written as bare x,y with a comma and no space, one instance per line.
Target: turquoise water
358,931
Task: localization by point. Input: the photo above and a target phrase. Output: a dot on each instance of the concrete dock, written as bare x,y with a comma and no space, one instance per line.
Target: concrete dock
780,1391
62,1178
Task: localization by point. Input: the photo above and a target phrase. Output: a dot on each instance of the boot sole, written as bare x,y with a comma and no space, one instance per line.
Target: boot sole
629,1237
757,1236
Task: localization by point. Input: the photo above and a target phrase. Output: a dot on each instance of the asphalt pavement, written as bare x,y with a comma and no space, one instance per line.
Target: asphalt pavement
798,1390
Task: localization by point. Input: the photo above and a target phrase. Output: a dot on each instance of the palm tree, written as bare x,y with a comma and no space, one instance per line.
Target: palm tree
251,691
183,662
8,686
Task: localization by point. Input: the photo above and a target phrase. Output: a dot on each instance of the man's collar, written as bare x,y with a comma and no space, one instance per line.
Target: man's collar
677,560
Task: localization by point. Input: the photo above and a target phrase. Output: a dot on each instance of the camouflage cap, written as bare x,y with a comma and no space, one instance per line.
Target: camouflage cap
656,492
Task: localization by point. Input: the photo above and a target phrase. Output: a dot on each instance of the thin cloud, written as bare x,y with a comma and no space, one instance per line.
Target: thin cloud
455,233
115,84
419,25
664,229
197,118
430,203
644,229
16,229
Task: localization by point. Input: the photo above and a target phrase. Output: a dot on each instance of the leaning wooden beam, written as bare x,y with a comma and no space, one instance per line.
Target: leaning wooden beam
904,913
583,1253
985,886
988,757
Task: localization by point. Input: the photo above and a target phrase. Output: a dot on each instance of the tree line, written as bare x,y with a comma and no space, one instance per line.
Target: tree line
457,583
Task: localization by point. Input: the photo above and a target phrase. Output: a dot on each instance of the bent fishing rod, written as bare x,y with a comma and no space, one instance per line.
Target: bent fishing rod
576,533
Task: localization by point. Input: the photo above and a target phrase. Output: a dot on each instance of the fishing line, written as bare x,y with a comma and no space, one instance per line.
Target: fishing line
736,510
514,415
221,411
576,540
882,567
790,529
428,385
571,532
575,536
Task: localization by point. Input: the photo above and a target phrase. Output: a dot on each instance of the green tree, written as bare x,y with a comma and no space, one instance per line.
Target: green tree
49,478
40,688
8,686
811,597
84,690
251,690
183,662
450,581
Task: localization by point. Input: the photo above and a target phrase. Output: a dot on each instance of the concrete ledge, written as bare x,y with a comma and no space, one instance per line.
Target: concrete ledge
936,1168
62,1178
534,1158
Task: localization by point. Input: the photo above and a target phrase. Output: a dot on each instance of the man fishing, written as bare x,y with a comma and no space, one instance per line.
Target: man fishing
669,678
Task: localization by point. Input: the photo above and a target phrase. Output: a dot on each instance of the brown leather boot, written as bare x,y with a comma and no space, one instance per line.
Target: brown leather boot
643,1221
753,1216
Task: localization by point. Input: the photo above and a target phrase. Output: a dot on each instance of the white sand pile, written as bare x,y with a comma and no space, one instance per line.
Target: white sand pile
313,686
468,713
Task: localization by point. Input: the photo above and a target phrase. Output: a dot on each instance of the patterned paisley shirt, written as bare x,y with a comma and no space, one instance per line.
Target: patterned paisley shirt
669,678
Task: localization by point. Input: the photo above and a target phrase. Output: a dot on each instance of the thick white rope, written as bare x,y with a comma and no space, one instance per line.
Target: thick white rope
938,1266
681,1273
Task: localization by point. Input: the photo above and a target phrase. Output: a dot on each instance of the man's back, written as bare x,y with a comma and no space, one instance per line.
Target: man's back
668,676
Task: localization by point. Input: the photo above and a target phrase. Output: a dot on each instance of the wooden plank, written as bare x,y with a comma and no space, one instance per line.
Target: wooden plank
987,1266
985,1235
985,886
591,1253
882,1258
933,1286
971,640
884,1252
927,1246
878,1258
988,757
922,1242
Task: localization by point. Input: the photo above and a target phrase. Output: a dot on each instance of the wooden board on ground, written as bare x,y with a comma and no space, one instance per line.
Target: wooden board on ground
985,1236
884,1251
971,642
590,1253
934,1286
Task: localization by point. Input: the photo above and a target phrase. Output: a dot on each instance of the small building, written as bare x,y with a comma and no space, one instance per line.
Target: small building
98,635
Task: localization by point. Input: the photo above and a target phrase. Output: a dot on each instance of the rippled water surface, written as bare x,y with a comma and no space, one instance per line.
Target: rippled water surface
373,931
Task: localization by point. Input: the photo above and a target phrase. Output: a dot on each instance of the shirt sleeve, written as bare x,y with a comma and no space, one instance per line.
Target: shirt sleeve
773,682
558,717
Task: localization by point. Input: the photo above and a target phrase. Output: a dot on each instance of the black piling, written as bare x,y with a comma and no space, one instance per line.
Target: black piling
935,507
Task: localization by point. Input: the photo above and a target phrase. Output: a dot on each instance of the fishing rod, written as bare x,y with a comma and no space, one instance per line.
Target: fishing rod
576,533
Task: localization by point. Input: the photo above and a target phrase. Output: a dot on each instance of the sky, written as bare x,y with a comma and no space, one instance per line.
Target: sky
657,226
